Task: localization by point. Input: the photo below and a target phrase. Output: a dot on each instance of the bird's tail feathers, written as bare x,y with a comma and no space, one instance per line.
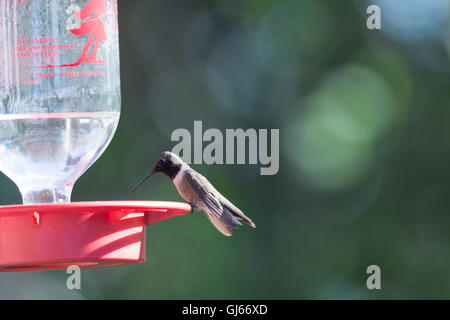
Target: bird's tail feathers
236,215
229,219
220,225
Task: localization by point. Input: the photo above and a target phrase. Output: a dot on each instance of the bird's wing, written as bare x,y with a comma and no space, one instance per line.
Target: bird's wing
222,213
203,188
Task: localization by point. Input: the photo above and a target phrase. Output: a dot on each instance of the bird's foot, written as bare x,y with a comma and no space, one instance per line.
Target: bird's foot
192,204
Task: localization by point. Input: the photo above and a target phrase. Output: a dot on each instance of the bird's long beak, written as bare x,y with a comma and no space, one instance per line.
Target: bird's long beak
143,180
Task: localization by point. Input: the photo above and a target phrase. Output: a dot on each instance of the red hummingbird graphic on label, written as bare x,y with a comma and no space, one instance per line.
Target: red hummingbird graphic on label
92,25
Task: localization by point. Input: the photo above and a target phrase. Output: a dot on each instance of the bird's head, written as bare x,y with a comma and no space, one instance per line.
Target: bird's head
167,163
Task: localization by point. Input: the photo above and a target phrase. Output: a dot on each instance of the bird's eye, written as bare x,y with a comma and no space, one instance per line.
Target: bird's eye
161,161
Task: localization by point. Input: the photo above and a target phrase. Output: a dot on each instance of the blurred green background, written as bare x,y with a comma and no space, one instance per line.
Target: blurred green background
364,119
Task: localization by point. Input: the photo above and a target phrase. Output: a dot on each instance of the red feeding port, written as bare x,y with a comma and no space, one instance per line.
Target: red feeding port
86,234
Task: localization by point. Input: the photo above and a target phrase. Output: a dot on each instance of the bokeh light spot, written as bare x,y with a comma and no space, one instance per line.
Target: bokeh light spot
332,141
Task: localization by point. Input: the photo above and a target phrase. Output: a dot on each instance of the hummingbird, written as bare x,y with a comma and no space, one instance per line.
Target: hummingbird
199,193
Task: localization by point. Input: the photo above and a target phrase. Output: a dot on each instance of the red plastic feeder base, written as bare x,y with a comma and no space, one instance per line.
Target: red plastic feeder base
86,234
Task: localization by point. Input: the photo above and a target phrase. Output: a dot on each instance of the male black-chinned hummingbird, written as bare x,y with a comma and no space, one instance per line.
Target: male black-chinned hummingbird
199,192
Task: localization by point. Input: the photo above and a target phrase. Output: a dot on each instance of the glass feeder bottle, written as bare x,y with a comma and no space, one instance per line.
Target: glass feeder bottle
59,92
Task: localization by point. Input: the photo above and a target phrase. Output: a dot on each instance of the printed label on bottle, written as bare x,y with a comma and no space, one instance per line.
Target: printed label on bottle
74,38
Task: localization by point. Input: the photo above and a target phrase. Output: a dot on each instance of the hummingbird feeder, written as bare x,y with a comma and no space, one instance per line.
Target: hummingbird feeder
59,109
